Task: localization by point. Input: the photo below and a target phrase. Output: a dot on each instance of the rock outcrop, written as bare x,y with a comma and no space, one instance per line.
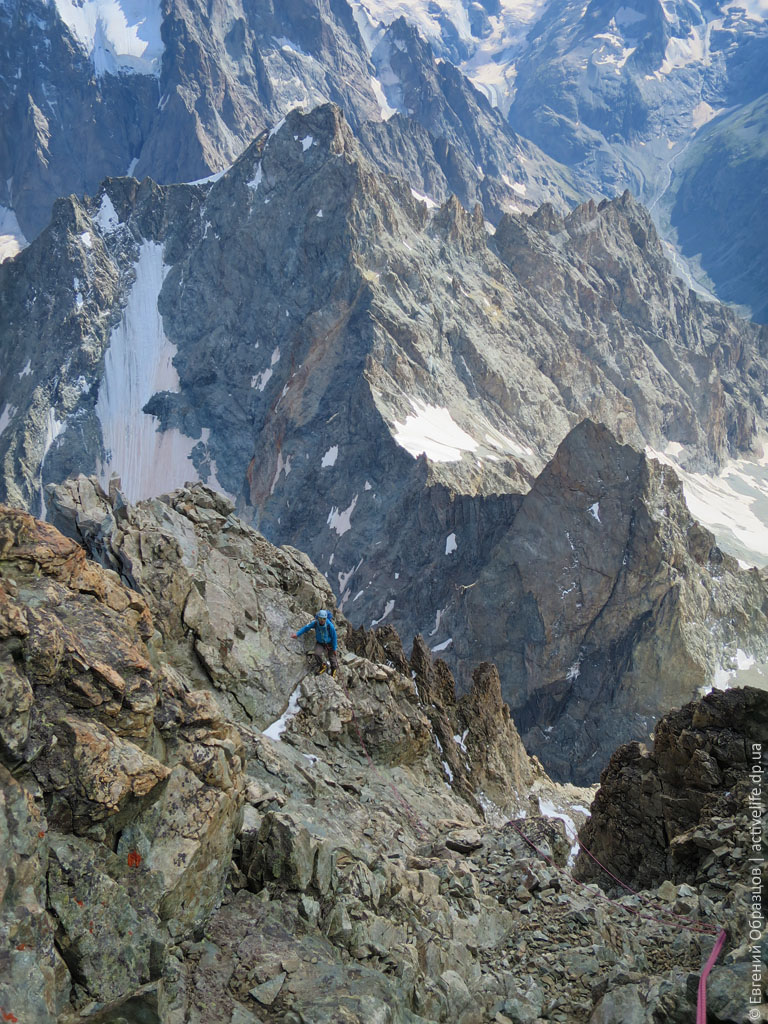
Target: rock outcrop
178,855
126,787
682,810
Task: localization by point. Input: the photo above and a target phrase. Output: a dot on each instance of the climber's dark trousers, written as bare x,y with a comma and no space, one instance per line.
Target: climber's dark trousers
323,653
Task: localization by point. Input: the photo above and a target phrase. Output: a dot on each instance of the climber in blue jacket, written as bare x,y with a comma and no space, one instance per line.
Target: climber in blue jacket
326,641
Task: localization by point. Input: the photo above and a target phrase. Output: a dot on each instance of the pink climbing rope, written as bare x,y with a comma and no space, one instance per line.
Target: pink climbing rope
701,1001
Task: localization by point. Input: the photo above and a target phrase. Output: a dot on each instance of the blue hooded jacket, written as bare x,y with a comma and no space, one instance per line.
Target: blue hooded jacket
325,631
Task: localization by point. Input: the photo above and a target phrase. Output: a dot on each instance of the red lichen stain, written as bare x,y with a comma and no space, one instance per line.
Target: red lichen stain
41,835
21,947
10,1017
79,903
90,927
134,859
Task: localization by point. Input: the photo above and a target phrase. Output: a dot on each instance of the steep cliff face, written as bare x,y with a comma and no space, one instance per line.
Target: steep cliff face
164,90
615,602
198,828
368,379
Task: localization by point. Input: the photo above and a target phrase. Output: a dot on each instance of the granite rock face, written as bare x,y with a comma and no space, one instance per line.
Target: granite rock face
126,788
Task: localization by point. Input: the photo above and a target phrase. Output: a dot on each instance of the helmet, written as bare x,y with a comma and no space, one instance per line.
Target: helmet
322,614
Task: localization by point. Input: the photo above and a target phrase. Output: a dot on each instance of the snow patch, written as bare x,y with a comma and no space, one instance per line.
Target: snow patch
306,142
138,364
27,369
726,677
118,35
87,239
12,239
508,445
388,607
431,430
9,411
574,670
444,645
594,510
273,131
345,577
549,810
283,466
517,186
106,219
260,380
702,114
210,178
423,198
438,616
450,543
276,730
340,521
291,47
53,429
757,10
694,49
256,180
386,110
329,459
733,504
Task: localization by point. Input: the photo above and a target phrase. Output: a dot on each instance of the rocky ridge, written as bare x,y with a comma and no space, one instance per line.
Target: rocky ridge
499,104
214,84
374,326
333,867
664,99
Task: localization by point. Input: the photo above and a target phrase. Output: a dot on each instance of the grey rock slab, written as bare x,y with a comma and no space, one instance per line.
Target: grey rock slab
623,1005
268,991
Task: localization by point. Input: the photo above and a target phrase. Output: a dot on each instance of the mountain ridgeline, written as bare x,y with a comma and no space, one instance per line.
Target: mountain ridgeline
508,105
380,383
